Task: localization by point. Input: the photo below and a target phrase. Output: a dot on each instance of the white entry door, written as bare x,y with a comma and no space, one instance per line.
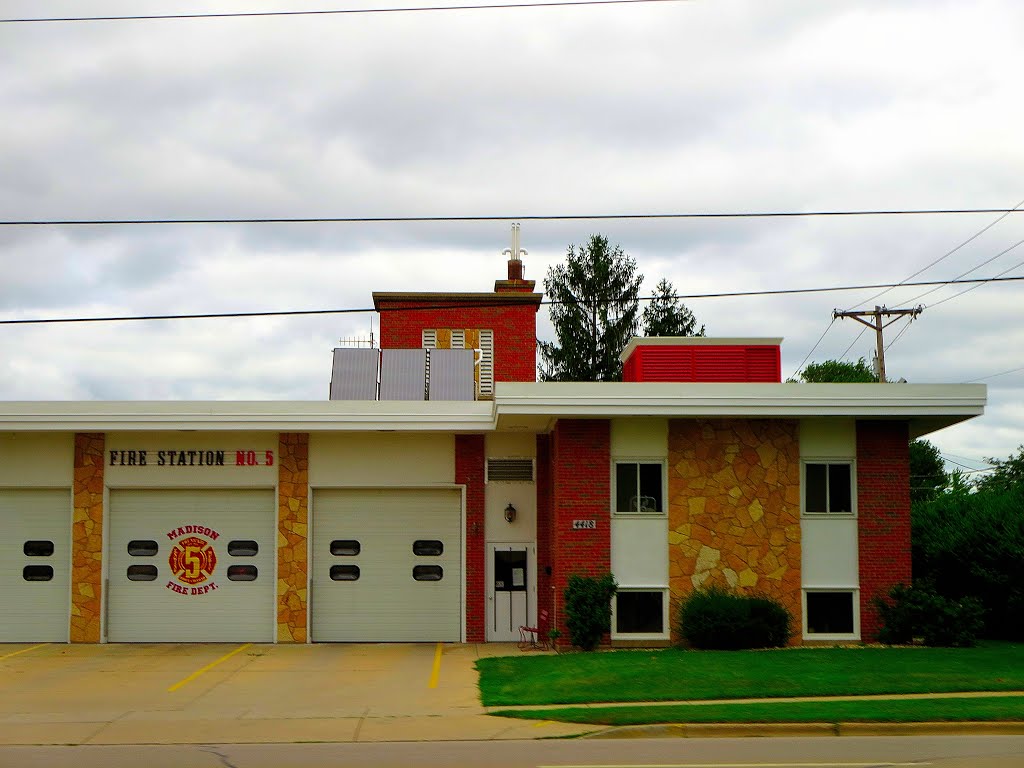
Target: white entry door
511,590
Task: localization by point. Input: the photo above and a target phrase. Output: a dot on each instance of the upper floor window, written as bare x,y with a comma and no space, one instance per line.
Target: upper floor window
481,340
828,488
638,487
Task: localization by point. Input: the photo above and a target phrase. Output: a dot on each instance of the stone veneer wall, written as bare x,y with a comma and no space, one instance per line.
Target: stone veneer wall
292,536
734,509
87,539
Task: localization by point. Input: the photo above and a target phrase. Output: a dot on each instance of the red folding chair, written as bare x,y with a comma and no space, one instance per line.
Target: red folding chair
535,638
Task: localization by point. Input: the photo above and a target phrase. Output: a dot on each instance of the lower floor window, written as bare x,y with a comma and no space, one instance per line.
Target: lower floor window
640,612
830,613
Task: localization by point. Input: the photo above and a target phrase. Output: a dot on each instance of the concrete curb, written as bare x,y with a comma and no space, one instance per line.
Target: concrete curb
744,730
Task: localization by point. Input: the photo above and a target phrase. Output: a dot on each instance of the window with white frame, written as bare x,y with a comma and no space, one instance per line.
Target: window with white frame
828,488
639,487
639,611
831,613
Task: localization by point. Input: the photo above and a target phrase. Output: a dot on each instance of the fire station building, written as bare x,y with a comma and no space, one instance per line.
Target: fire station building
441,493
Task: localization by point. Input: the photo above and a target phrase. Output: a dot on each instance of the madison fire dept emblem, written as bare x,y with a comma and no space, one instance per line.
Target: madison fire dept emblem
192,559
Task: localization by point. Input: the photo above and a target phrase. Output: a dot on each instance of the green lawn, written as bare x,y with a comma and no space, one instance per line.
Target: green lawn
896,711
676,675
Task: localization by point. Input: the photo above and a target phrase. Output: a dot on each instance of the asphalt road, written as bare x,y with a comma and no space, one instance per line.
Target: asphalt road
806,752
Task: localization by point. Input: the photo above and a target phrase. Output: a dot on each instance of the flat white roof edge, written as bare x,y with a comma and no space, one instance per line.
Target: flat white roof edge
698,341
552,400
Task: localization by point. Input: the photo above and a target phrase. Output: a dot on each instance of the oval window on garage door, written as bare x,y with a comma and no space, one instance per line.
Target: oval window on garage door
38,548
345,548
142,548
243,548
142,573
428,548
37,573
428,573
344,573
242,573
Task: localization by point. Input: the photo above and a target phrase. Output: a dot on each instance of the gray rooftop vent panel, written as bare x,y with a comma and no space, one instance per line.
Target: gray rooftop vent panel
451,375
403,374
354,376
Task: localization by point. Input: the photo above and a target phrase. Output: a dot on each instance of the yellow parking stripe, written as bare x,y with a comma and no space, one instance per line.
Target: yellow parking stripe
207,668
436,672
23,650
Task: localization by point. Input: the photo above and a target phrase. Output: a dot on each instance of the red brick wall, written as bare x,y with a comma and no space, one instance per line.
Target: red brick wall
883,512
514,326
469,471
581,490
545,594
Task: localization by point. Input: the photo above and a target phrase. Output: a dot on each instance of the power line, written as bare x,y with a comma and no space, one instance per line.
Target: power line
535,217
808,356
973,269
902,331
862,332
965,466
430,306
948,253
993,375
335,12
982,282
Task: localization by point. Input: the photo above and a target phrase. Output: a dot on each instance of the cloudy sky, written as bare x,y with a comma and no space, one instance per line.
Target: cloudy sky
702,106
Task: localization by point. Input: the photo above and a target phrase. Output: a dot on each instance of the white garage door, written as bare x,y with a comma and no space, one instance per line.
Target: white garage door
191,566
387,565
35,565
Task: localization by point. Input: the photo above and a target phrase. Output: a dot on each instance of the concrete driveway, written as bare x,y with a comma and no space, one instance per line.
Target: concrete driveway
213,693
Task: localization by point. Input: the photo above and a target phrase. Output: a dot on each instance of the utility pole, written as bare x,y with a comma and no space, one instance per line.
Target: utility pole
877,325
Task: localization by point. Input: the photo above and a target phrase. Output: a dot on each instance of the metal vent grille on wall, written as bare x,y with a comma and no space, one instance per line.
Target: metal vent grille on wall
509,470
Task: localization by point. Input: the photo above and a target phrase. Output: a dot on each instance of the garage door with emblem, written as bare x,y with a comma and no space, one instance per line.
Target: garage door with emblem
387,565
35,565
191,565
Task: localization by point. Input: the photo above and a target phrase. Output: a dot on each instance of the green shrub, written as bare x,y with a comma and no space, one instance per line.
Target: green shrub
972,545
920,611
588,609
715,618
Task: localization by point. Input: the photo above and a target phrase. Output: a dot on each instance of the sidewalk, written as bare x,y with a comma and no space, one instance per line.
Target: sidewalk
776,700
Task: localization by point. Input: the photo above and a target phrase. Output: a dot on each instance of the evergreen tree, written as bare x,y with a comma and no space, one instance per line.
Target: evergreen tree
668,316
595,295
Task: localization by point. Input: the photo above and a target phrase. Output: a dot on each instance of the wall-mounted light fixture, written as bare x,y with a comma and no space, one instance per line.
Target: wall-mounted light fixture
510,513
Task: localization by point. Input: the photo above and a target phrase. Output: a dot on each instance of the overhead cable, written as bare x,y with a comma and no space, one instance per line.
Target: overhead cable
948,253
993,375
808,356
335,11
518,217
435,305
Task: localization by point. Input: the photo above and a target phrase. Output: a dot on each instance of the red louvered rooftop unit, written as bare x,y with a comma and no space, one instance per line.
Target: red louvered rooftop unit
702,359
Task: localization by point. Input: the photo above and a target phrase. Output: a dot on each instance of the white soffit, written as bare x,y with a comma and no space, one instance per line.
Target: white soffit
283,416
